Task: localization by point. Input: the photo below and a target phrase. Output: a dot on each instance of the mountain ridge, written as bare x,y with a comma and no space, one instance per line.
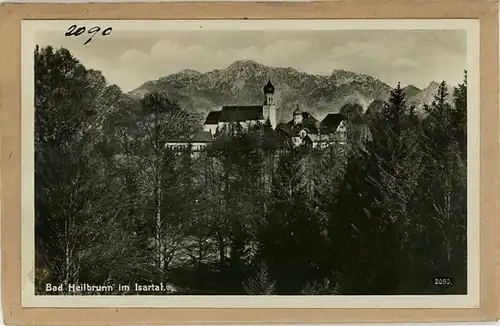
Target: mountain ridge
241,83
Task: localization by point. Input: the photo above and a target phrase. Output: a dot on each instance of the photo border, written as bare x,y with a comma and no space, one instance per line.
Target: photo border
10,95
470,300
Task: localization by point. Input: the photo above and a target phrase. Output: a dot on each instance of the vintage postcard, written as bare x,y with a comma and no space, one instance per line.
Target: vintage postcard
303,160
252,163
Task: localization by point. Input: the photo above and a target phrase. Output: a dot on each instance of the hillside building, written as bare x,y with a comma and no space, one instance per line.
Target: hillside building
245,115
196,142
303,129
306,130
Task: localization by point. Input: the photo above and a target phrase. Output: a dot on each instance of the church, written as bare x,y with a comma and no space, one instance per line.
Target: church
303,130
245,115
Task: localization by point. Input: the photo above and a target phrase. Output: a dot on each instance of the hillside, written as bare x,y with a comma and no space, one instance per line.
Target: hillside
242,81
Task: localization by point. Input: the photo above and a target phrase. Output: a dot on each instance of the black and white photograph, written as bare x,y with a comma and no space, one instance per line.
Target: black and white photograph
290,160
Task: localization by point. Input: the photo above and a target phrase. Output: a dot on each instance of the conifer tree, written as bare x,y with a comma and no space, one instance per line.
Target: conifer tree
459,115
374,200
291,242
443,188
260,283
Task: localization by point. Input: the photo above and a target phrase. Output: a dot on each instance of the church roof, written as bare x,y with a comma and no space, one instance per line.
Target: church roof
331,122
238,113
202,136
213,118
269,88
199,137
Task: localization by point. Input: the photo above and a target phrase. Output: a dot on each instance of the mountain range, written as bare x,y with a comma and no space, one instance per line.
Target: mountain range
241,83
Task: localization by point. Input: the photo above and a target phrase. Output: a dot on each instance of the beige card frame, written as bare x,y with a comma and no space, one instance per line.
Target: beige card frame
11,16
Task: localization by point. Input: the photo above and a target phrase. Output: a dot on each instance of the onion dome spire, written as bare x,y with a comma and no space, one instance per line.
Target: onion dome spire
297,111
269,88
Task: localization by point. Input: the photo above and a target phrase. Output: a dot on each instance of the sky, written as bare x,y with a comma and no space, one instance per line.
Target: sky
414,57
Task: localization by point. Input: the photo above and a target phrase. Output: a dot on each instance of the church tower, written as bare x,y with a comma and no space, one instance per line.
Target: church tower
269,107
297,116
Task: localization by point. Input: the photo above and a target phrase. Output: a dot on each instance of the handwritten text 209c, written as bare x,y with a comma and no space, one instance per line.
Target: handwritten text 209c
74,30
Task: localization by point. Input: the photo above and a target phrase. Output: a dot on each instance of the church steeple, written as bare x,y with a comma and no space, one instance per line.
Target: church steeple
269,93
269,107
297,111
297,116
269,88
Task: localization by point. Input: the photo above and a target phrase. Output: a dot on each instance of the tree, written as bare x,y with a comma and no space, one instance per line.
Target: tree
373,110
359,222
444,194
77,237
459,115
64,102
373,204
396,150
261,283
353,112
291,240
154,169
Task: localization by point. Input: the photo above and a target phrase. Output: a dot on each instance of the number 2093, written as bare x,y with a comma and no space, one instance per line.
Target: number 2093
443,281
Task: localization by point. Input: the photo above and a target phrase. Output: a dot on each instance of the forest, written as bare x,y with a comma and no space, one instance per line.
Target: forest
252,214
